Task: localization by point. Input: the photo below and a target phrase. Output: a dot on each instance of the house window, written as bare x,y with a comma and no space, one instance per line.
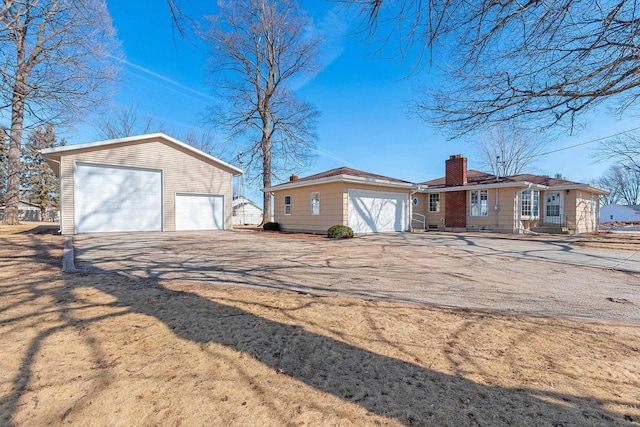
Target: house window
315,203
530,204
434,202
553,205
479,203
287,205
593,207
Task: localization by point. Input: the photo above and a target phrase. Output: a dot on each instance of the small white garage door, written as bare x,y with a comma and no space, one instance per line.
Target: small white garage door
199,212
113,198
376,211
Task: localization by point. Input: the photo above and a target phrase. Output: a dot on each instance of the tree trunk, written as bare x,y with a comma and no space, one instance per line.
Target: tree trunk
13,173
266,180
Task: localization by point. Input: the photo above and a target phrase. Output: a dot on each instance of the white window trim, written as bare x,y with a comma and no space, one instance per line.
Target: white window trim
479,192
531,199
287,205
315,193
437,204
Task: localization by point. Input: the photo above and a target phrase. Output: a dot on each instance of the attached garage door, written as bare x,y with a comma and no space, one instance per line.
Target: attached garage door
375,211
199,212
112,198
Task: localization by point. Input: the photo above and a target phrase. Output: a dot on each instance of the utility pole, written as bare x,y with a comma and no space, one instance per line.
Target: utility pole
242,186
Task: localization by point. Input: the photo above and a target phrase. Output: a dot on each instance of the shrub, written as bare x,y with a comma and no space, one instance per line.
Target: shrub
340,232
271,226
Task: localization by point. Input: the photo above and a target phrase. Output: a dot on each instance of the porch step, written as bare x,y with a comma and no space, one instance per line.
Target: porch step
551,230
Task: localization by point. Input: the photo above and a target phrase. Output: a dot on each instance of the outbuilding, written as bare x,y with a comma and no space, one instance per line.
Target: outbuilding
620,213
141,183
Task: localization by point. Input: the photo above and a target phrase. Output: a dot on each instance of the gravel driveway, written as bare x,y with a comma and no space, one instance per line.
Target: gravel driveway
480,271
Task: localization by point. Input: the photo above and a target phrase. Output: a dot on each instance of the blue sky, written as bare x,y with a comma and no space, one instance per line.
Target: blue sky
362,98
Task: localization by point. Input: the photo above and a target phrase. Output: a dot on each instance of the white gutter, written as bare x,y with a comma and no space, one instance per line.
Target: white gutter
524,184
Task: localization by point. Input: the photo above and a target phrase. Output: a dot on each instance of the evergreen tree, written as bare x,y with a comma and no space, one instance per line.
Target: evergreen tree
39,184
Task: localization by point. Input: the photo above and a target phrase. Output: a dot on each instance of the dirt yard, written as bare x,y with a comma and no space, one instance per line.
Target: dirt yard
103,349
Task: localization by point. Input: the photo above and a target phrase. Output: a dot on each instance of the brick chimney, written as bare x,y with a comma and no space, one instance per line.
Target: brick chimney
294,177
455,202
455,171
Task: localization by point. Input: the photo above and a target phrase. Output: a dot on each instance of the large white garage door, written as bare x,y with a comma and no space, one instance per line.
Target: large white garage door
199,212
112,198
376,211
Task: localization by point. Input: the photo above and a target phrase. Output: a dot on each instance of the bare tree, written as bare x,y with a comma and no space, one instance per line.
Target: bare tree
4,160
127,121
206,141
624,183
546,61
509,151
258,48
625,151
56,57
606,183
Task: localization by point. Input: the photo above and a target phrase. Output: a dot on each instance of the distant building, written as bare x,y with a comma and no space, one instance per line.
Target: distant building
620,213
31,212
246,212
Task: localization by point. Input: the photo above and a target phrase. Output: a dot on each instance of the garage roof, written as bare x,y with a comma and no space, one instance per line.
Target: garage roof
343,174
52,155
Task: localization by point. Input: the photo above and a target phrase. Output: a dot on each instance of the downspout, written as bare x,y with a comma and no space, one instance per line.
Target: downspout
496,208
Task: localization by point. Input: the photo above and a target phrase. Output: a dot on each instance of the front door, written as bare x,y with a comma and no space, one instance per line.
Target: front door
553,208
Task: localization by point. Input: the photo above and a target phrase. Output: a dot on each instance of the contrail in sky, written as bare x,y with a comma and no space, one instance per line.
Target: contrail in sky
166,79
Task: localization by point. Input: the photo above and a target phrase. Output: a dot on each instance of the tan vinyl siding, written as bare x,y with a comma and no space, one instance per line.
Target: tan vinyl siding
182,173
583,222
433,218
334,199
502,220
331,208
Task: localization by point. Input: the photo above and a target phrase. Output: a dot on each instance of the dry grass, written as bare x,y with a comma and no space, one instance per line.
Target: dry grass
624,241
103,349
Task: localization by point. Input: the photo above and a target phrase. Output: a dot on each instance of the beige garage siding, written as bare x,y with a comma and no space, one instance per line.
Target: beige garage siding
332,208
182,173
334,199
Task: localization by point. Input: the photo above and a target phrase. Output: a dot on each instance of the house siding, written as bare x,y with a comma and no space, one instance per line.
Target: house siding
332,208
434,219
502,220
585,222
334,202
182,173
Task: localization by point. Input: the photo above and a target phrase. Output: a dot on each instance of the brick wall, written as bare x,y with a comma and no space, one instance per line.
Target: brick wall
455,209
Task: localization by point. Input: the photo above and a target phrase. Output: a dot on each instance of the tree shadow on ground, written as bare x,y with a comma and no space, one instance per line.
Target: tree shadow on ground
398,390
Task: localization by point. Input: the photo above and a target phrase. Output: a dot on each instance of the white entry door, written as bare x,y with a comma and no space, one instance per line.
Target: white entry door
376,211
199,212
553,207
113,198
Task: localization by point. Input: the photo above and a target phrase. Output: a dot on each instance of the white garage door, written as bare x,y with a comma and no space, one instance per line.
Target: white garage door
199,212
375,211
112,198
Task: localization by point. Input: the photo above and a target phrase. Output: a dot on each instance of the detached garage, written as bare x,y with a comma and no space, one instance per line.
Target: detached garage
366,202
142,183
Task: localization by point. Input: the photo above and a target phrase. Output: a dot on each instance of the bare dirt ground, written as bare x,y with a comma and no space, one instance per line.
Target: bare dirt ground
105,349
